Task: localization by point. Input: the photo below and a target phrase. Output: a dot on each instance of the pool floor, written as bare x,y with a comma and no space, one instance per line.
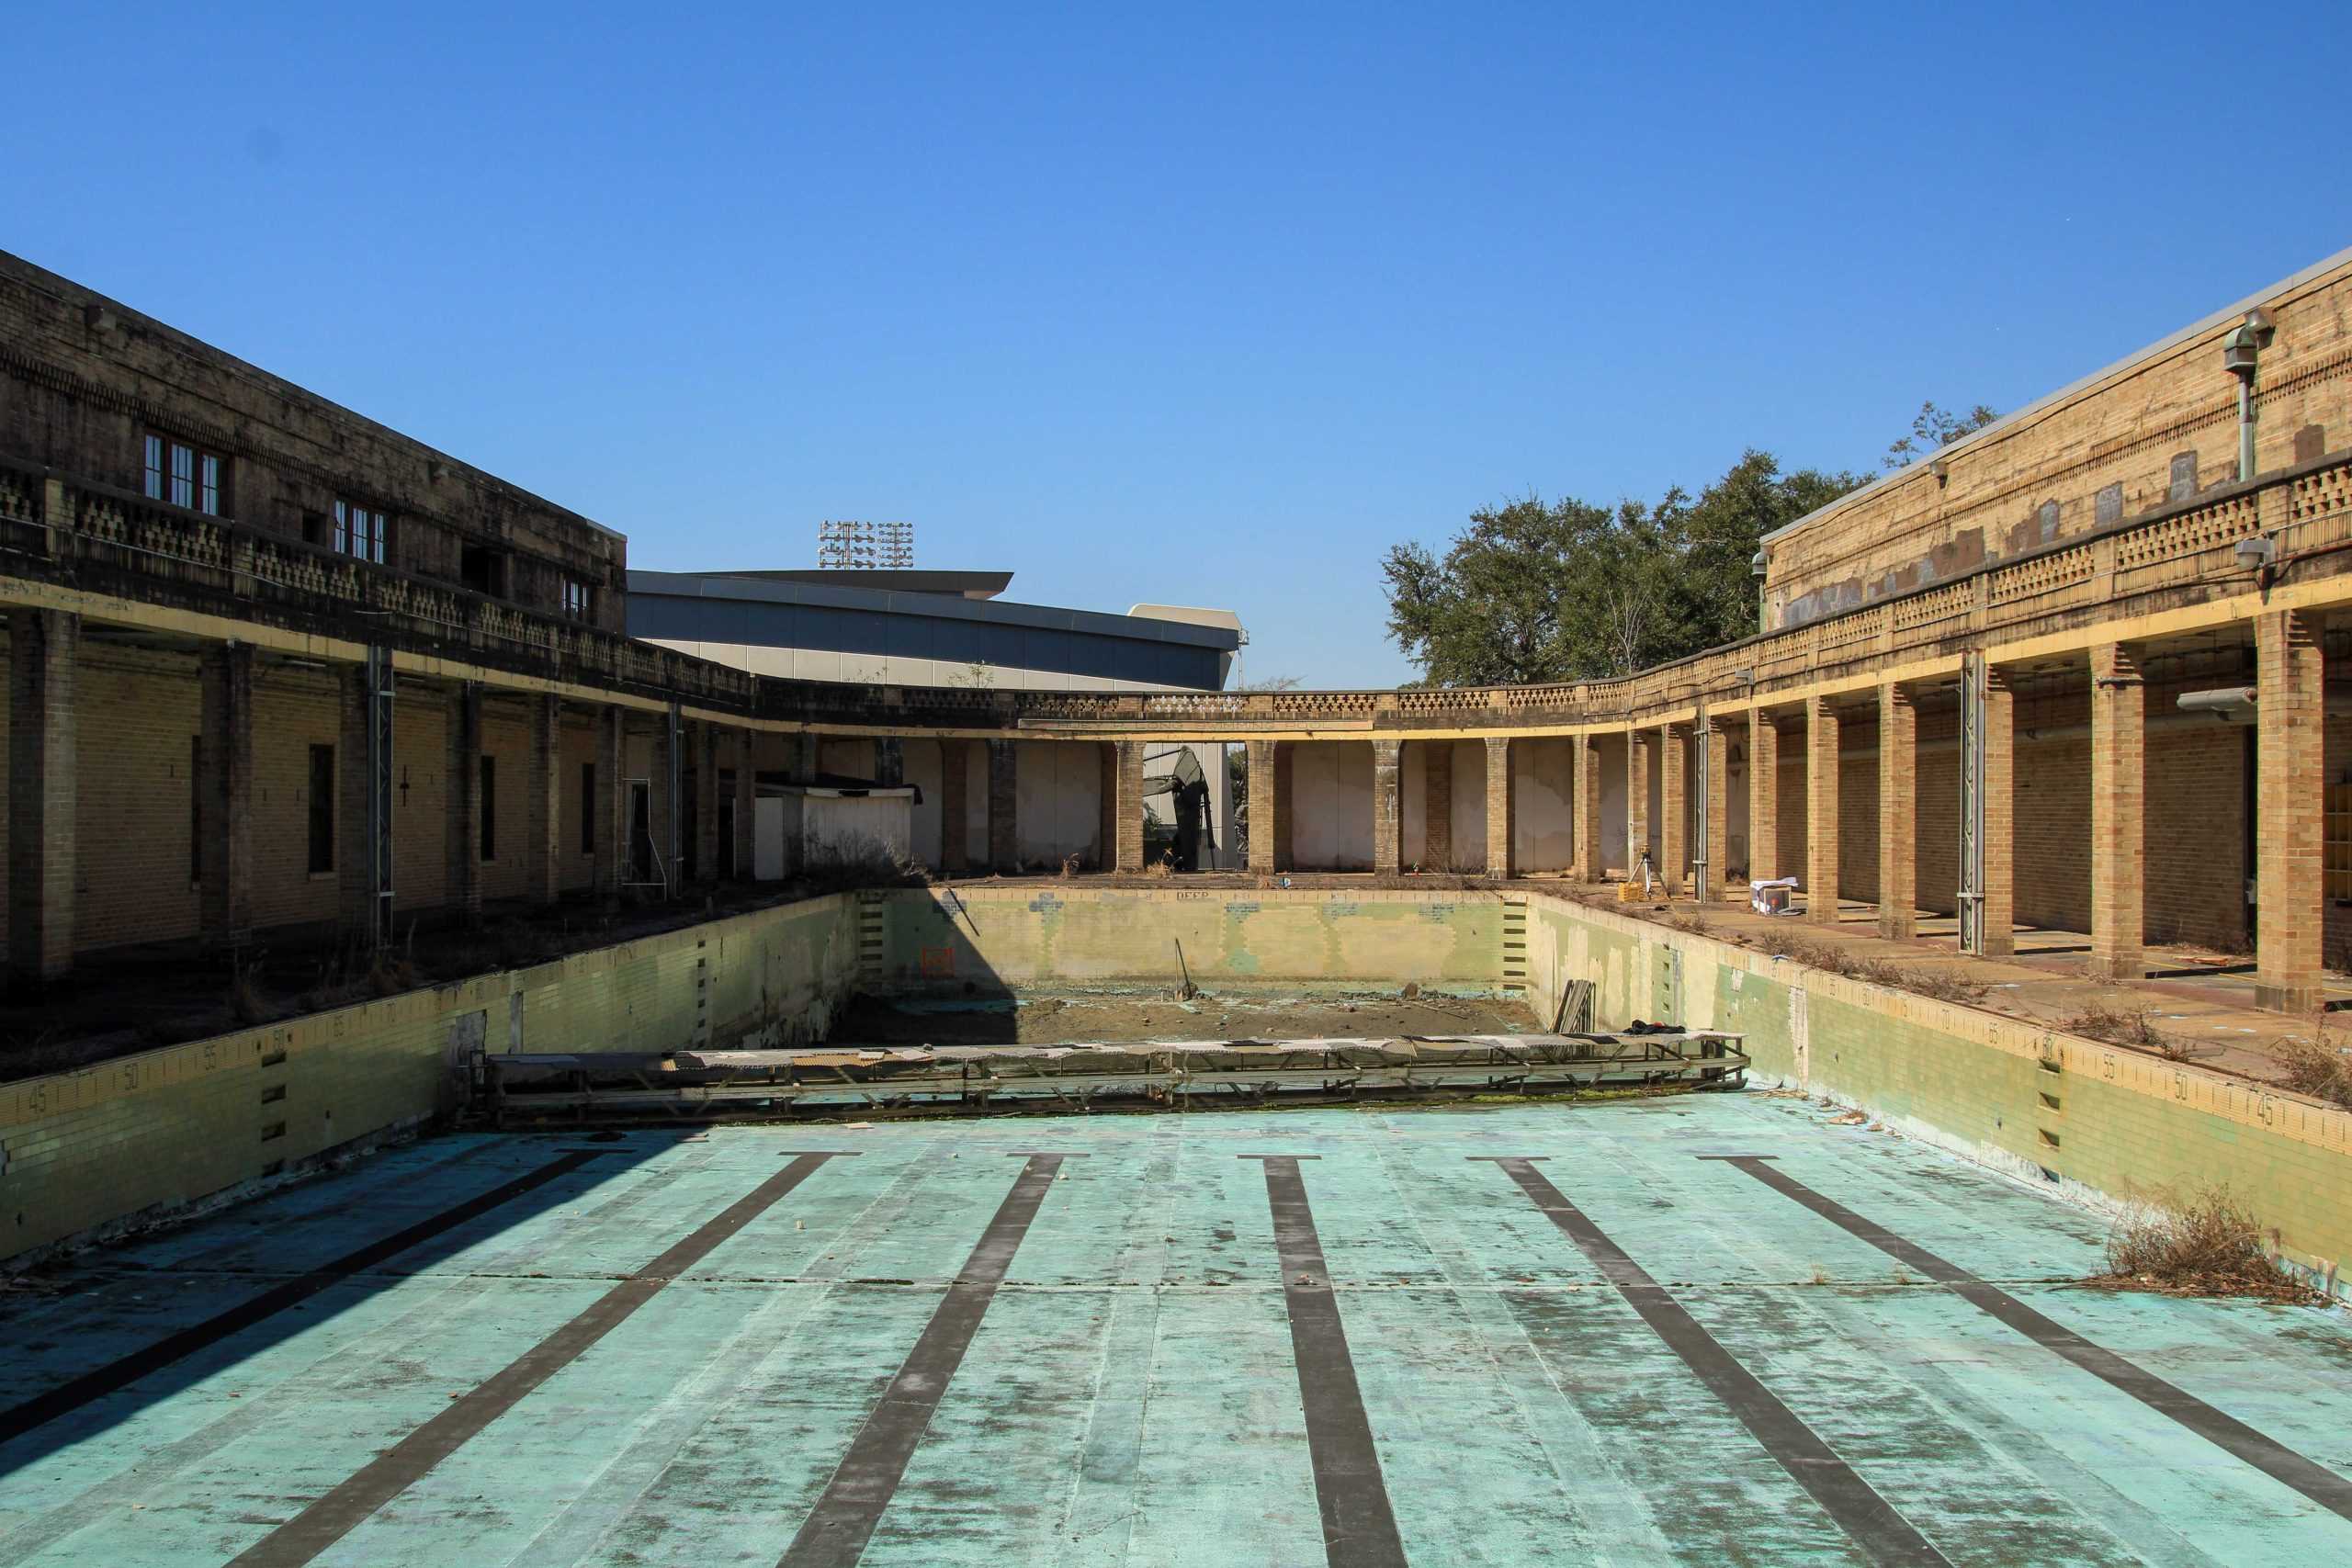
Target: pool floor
1712,1329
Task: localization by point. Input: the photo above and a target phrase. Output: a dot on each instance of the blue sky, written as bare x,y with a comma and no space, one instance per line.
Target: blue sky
1201,304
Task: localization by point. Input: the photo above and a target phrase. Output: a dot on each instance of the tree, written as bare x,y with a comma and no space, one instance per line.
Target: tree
1933,428
1564,591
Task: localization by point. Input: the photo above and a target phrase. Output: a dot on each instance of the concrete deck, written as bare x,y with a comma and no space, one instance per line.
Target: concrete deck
952,1347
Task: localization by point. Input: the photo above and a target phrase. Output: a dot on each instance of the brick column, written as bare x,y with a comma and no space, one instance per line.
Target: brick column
1127,804
2118,791
1437,805
354,827
1262,808
1004,786
1898,814
1716,739
2290,780
1500,799
889,762
225,858
1285,808
462,835
1998,905
1821,811
1763,796
954,851
706,803
612,802
1637,803
747,796
543,803
1591,865
1673,804
43,777
800,757
1387,823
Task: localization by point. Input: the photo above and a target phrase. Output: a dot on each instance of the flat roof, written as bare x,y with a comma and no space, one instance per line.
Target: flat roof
906,579
933,605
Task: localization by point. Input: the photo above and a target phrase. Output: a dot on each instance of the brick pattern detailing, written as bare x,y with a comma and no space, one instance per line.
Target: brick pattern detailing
1004,788
1898,814
543,796
1126,800
1437,803
1637,803
43,772
1717,740
2290,780
612,802
1821,811
1262,812
1592,864
1388,821
954,850
2000,743
2118,817
1763,796
1498,805
461,798
225,858
1673,806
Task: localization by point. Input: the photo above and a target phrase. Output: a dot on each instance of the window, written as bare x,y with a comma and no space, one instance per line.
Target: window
321,809
483,569
184,474
359,531
489,809
576,598
587,809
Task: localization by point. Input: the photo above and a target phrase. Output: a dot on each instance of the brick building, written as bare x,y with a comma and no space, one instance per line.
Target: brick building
272,665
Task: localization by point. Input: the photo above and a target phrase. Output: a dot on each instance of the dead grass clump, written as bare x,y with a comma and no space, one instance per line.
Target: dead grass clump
844,864
391,973
2211,1247
1164,866
245,1002
2132,1029
2320,1069
1069,868
1696,924
1941,985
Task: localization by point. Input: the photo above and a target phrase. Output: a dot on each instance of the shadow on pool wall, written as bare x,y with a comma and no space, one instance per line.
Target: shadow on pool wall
207,1121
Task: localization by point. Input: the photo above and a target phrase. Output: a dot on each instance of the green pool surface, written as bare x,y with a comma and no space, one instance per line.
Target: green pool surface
1134,1392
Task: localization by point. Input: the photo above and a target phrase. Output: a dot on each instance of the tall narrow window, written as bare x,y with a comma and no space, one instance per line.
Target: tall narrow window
183,474
359,531
587,809
195,808
321,809
576,598
489,809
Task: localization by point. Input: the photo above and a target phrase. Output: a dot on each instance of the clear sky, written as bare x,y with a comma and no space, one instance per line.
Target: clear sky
1200,303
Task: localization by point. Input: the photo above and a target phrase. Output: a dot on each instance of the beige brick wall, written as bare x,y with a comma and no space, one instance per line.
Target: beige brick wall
294,709
2125,431
131,868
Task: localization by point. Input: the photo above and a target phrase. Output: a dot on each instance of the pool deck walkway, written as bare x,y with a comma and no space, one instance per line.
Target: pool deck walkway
1700,1331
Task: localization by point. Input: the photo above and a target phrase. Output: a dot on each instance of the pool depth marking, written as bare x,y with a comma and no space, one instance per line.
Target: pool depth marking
340,1511
2281,1463
1865,1516
121,1372
836,1530
1359,1527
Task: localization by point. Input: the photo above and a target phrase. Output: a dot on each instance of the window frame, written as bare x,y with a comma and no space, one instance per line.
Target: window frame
579,598
184,473
486,807
352,523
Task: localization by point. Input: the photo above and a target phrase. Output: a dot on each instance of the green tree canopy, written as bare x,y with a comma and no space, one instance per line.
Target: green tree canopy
1537,591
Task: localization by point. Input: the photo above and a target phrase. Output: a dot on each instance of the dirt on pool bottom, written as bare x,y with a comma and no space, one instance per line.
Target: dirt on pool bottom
1076,1016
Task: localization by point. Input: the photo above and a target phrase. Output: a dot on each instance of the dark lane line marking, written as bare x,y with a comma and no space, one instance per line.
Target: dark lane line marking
836,1530
398,1467
1359,1527
120,1373
1865,1516
2281,1463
